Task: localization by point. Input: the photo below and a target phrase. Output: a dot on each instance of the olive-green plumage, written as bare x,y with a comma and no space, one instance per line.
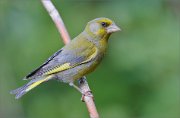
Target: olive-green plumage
76,59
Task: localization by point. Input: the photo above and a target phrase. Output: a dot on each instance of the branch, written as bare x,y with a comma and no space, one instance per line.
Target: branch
83,84
88,98
57,20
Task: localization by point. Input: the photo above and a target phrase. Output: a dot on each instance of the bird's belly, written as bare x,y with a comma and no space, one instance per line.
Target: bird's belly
77,72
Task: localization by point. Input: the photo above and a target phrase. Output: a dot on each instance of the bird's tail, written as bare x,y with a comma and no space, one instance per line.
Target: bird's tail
19,92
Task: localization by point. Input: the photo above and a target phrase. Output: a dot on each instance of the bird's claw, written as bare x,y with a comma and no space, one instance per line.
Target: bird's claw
88,94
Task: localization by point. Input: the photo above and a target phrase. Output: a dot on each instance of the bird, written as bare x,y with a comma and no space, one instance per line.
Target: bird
76,59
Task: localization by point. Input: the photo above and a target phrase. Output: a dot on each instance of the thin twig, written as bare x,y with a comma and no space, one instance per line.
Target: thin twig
83,84
57,20
88,99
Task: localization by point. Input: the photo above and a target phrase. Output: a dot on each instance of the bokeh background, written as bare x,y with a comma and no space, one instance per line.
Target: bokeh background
139,77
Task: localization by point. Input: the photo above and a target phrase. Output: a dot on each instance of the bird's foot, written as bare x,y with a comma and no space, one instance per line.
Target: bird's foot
84,94
87,94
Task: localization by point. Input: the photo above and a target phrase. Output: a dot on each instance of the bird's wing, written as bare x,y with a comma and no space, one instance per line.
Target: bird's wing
45,63
65,59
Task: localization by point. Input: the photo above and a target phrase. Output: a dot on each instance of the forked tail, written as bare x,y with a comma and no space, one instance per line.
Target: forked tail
19,92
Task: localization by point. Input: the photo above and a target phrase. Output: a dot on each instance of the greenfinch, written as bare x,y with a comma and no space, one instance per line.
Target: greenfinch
76,59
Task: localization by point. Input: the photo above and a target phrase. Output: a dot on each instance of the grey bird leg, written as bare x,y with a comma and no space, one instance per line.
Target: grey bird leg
88,93
76,87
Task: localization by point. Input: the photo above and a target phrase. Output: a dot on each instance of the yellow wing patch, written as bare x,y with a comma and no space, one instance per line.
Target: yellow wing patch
59,68
66,66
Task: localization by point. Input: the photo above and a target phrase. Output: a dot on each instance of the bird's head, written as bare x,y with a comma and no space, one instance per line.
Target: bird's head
101,27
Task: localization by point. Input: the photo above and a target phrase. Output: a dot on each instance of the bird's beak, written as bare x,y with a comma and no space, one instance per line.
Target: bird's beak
113,28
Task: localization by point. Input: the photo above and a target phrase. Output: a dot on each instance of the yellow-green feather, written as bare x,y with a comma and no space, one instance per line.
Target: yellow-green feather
59,69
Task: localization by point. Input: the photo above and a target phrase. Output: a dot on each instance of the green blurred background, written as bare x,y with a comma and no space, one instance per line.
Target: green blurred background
139,77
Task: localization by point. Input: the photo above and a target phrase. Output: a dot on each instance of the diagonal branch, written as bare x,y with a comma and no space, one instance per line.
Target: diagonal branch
83,84
57,20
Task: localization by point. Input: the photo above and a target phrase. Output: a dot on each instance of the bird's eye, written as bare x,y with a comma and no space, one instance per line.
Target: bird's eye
104,24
